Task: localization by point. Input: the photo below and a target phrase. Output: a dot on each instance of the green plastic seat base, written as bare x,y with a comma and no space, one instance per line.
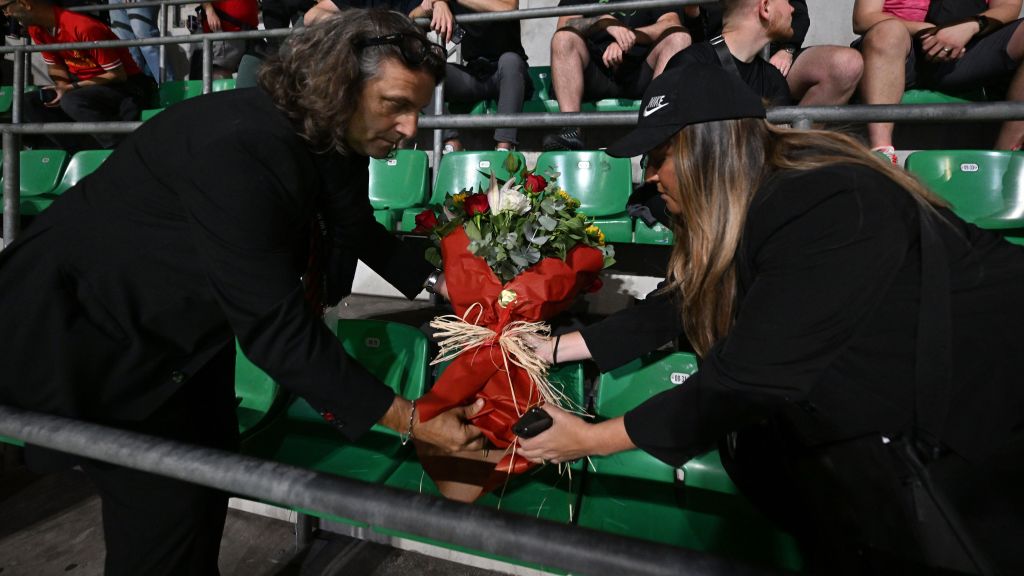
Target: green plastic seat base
385,217
934,97
658,234
616,228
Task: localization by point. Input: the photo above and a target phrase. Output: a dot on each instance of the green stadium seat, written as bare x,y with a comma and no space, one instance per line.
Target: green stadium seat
985,187
222,84
474,108
541,78
461,170
657,234
81,165
545,492
933,97
40,173
697,506
601,183
259,397
397,355
179,90
248,71
617,105
149,113
7,97
398,183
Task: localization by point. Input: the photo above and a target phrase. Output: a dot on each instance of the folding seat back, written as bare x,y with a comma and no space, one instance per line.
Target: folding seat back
399,182
179,90
601,183
81,165
985,187
462,170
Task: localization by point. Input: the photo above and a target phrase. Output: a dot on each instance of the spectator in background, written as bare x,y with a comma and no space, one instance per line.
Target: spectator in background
903,48
140,23
325,8
225,16
97,85
283,14
493,62
816,75
613,55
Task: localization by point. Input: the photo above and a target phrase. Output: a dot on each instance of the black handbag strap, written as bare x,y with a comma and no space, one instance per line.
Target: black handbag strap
724,56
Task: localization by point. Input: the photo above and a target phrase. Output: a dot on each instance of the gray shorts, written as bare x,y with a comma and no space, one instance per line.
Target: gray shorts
228,53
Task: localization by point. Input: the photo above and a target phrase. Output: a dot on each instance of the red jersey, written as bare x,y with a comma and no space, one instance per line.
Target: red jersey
84,64
245,11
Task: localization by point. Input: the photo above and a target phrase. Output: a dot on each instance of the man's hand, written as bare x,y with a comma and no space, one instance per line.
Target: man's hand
212,20
441,20
623,36
441,288
612,55
60,88
451,431
782,60
947,44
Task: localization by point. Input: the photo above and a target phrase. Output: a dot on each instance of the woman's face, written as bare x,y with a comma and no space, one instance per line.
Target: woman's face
661,171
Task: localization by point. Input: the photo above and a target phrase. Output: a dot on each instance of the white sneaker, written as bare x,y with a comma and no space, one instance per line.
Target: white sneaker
889,152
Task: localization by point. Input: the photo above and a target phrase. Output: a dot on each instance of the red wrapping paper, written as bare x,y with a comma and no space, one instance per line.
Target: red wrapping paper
543,290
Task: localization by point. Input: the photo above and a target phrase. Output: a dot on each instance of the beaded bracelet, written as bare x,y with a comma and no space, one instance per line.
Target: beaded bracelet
408,435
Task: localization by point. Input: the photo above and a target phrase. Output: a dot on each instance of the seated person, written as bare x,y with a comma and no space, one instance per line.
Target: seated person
833,296
494,62
98,85
612,55
815,76
903,50
134,23
225,16
325,8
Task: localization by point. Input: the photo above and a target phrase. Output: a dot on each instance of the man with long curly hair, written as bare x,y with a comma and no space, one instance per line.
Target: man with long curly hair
122,302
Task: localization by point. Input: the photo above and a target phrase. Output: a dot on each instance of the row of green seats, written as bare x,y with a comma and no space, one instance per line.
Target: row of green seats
180,90
44,175
984,187
399,189
7,97
631,494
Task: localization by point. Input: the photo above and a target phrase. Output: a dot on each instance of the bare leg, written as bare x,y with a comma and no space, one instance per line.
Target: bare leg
1012,133
666,49
885,49
825,75
569,57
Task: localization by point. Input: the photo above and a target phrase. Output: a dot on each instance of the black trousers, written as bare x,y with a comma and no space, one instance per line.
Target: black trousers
856,507
157,526
107,103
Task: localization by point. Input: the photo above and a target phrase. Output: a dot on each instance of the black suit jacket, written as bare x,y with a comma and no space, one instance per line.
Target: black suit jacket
825,332
193,232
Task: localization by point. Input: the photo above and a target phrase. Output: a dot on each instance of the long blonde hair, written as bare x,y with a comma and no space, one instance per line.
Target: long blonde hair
719,167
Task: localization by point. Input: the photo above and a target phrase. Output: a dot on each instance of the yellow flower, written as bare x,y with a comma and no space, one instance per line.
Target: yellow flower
569,200
595,233
459,198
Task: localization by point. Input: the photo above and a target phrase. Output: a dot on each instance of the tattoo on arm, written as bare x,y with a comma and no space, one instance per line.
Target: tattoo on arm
586,24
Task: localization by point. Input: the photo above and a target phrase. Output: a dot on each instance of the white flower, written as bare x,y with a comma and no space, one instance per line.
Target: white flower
506,198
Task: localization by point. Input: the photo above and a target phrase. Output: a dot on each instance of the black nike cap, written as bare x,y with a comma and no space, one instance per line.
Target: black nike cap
690,94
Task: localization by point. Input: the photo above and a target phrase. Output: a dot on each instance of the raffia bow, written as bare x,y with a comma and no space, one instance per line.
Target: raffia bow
456,335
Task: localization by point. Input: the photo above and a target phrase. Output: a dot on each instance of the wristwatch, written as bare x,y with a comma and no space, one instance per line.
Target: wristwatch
430,284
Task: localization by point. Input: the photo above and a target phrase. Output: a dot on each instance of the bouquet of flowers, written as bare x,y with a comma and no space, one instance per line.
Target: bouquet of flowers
513,256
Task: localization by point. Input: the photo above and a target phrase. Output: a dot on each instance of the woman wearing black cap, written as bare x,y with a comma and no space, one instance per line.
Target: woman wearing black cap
837,304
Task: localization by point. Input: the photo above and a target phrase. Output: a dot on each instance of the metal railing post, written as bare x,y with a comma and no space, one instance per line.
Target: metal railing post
802,123
207,65
305,528
12,188
19,85
162,29
438,132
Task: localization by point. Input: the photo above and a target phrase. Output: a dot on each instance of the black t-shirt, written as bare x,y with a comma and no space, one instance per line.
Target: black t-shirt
489,39
761,76
403,6
632,19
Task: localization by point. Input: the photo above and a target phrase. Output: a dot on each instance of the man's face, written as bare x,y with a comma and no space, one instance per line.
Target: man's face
780,20
388,109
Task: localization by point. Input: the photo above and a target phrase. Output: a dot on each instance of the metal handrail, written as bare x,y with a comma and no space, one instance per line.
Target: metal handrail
580,550
142,4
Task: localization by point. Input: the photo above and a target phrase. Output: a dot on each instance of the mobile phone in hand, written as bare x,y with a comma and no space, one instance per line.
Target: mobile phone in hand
47,95
535,421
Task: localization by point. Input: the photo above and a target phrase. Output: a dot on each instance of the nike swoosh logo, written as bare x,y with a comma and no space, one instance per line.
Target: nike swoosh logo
650,111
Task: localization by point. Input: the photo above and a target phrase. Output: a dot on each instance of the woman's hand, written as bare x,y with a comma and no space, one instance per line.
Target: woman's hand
568,439
441,20
947,44
542,345
212,20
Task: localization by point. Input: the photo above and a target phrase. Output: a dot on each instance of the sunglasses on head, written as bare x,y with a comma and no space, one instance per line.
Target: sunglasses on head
415,50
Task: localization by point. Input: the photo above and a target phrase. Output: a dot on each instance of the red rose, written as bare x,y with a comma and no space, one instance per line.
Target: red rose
425,221
535,183
477,204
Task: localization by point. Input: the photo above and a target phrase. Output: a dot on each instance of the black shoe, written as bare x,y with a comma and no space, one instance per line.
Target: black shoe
567,139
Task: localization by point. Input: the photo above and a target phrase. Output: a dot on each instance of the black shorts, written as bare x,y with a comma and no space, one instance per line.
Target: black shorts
628,80
985,62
